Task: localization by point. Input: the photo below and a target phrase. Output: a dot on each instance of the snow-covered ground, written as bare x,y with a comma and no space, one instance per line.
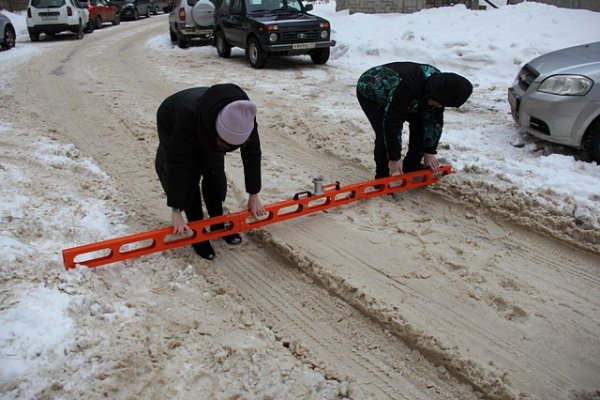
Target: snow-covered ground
488,47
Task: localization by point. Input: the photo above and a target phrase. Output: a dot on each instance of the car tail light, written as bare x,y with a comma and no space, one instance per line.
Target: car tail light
182,14
69,11
28,12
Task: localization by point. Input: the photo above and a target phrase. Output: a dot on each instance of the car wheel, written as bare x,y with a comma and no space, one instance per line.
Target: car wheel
223,48
9,37
34,36
98,22
147,12
591,144
79,32
117,19
320,56
255,54
182,41
173,36
136,14
155,10
89,28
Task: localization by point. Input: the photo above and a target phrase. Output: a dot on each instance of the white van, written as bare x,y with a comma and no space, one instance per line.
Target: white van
54,16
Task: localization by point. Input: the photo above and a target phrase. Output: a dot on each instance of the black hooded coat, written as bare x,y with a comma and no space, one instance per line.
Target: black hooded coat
188,144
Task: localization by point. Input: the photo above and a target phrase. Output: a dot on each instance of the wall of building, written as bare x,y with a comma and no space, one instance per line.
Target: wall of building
593,5
13,5
397,6
410,6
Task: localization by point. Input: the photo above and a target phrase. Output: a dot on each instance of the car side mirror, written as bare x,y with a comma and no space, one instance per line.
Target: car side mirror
308,7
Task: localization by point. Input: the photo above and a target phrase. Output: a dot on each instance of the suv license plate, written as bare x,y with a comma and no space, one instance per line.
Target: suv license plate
205,32
301,46
50,18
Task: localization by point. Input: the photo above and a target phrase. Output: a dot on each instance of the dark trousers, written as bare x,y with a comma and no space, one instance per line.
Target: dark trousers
414,155
208,173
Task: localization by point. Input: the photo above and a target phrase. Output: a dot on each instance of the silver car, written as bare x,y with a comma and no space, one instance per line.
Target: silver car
192,22
7,33
556,97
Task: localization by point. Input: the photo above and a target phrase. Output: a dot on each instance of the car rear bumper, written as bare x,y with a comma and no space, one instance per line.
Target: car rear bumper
52,29
194,32
557,119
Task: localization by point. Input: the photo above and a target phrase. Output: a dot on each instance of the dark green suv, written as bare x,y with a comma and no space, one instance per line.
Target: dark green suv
271,27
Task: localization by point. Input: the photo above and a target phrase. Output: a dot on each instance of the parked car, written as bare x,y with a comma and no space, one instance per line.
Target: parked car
160,6
7,30
556,97
55,16
271,27
102,11
191,22
133,9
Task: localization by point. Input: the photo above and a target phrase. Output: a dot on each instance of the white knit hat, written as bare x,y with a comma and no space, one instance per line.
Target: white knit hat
235,121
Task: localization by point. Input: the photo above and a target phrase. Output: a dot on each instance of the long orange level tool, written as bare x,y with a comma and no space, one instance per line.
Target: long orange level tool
303,203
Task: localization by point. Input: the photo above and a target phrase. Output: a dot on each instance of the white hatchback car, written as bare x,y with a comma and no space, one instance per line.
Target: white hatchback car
54,16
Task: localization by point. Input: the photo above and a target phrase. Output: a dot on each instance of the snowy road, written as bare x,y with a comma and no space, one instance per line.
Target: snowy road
419,295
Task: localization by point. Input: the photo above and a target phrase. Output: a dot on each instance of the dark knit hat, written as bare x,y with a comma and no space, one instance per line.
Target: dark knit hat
449,89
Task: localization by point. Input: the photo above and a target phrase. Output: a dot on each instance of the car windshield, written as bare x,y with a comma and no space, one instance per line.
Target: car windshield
261,6
47,3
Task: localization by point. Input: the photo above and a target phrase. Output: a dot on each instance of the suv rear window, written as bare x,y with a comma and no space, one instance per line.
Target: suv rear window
47,3
192,3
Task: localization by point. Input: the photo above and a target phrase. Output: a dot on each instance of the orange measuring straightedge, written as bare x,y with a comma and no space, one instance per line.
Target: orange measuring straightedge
303,203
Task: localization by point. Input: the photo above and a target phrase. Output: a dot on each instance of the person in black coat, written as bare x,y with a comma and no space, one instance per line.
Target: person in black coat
399,92
196,127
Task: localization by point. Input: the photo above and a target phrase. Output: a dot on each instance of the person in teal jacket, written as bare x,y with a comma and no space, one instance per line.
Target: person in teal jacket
400,92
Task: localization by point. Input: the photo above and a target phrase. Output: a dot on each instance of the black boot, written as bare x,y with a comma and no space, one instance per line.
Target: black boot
233,239
413,168
204,250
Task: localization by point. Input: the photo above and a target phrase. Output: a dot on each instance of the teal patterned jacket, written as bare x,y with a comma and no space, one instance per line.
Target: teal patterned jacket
401,90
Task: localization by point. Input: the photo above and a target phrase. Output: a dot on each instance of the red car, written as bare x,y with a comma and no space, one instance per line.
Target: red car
102,11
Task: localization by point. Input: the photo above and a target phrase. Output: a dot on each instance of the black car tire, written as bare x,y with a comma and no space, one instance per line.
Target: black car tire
255,54
320,56
79,32
148,12
155,10
89,28
9,38
173,36
223,48
182,41
136,14
98,22
34,36
591,144
117,19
